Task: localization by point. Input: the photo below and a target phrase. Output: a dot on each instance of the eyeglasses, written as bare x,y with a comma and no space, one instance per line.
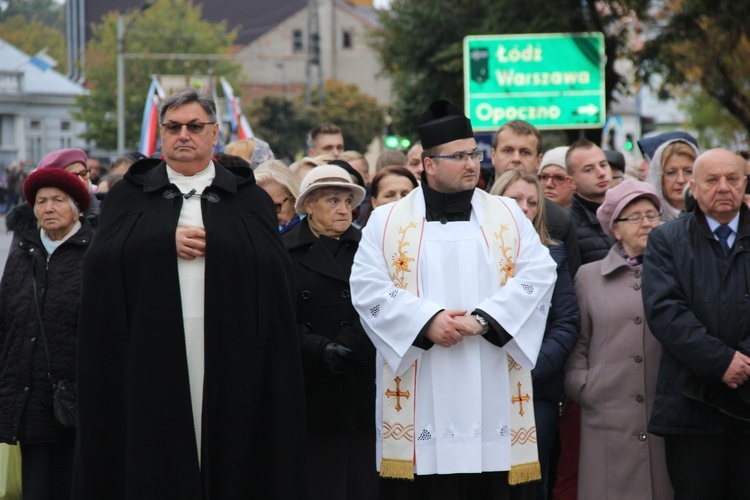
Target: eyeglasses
637,218
82,173
174,128
473,156
280,205
557,179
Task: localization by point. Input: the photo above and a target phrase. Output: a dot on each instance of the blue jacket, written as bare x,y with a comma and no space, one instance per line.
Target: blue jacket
561,334
697,303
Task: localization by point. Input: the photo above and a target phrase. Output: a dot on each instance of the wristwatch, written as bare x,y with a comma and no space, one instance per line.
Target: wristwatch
483,323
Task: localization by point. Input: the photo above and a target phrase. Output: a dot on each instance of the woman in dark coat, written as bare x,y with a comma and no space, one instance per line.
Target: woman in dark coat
337,355
42,279
563,321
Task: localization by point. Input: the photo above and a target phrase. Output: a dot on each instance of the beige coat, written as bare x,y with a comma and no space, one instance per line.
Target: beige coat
611,374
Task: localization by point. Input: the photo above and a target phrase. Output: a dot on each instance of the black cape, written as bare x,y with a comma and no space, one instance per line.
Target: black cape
136,438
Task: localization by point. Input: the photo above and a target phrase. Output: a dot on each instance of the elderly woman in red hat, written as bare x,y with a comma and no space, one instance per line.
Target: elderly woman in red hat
39,302
611,373
72,160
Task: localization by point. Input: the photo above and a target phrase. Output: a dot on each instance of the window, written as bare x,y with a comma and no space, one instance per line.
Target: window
297,43
65,126
348,39
35,125
35,148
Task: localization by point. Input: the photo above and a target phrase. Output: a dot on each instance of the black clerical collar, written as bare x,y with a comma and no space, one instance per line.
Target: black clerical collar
447,207
591,206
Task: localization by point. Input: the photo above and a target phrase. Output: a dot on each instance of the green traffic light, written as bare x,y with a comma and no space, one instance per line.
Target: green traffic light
404,143
628,145
391,142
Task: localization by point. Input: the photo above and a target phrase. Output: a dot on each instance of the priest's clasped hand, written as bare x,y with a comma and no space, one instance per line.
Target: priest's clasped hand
449,327
191,242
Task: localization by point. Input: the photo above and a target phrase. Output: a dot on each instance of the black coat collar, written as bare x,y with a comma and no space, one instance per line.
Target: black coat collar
447,206
152,175
301,235
318,258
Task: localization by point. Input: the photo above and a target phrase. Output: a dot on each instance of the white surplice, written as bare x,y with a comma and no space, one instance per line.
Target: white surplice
192,275
463,401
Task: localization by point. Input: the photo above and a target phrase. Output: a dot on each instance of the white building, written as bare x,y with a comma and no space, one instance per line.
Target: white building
35,108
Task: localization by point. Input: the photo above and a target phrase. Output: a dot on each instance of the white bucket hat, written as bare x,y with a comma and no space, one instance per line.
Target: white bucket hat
327,176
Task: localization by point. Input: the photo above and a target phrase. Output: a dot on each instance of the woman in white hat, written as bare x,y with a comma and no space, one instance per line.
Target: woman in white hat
337,355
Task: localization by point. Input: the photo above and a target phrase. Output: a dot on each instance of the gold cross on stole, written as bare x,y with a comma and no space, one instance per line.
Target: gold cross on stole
398,393
520,399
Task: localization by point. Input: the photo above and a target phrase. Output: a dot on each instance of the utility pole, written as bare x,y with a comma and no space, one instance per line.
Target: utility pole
313,54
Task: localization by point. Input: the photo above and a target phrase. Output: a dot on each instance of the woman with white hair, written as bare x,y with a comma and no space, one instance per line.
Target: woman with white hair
283,187
337,356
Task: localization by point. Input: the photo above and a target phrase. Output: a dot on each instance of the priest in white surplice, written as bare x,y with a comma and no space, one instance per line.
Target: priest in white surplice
453,287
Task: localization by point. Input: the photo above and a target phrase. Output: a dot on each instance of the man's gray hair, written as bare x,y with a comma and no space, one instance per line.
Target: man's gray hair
189,96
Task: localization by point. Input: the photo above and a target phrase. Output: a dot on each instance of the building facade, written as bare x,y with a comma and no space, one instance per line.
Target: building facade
36,104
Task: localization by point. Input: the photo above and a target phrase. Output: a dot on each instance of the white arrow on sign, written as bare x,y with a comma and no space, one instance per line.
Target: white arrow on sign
589,109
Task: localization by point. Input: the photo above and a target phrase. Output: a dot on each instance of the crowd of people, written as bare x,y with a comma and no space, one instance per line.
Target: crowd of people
557,327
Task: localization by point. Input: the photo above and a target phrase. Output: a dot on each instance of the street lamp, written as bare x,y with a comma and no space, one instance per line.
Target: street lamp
121,76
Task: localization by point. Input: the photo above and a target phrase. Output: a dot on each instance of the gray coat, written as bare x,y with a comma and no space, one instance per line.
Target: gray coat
611,374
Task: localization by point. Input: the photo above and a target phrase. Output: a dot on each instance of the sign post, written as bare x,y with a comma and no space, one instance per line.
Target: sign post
553,81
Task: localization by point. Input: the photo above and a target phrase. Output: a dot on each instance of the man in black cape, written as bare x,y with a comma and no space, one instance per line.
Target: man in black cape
189,376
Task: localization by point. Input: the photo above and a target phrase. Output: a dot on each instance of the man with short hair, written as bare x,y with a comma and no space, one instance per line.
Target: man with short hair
587,164
325,139
453,287
695,292
518,144
189,375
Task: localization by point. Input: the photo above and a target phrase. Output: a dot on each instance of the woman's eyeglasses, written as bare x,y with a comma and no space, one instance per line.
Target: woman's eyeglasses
82,173
637,218
557,179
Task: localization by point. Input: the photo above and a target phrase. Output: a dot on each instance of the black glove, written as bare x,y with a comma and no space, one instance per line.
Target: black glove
335,357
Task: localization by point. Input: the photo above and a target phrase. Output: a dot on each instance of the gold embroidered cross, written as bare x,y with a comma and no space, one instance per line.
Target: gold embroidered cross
398,393
520,399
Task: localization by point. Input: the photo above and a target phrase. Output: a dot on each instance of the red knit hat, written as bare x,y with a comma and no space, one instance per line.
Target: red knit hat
56,178
62,158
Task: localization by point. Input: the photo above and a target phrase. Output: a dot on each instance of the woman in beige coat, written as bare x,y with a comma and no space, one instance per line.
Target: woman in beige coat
612,371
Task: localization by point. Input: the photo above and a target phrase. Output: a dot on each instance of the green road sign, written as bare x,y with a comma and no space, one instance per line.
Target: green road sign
549,80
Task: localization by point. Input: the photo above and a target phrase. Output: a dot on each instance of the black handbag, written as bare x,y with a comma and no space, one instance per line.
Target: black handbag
64,403
63,391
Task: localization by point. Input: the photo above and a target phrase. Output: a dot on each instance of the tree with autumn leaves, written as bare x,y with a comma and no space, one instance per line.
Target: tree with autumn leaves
704,46
167,27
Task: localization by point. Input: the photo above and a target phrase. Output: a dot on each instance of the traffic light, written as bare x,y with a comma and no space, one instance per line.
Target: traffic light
628,142
391,142
396,142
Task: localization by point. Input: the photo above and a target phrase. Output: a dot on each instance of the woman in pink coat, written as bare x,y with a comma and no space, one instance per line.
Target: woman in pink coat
612,371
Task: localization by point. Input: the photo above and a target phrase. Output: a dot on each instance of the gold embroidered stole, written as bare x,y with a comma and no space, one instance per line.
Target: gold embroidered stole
402,239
